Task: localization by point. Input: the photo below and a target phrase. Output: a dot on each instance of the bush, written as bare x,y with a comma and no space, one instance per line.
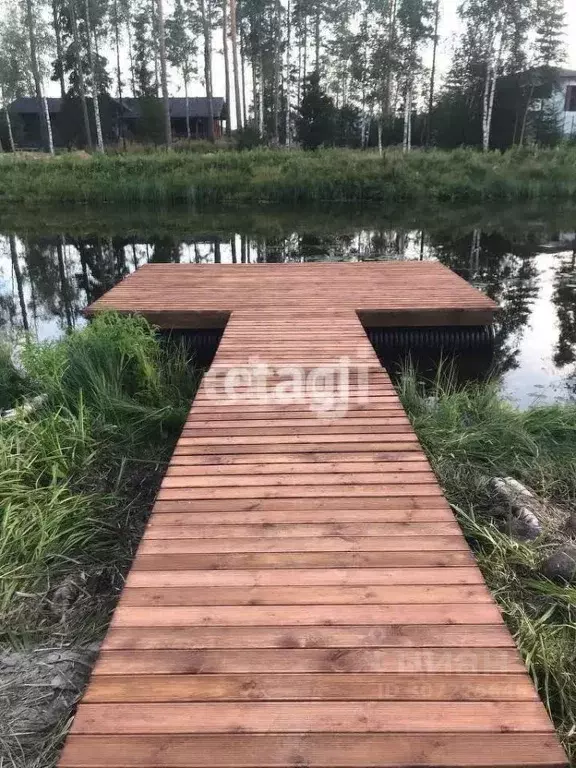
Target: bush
115,398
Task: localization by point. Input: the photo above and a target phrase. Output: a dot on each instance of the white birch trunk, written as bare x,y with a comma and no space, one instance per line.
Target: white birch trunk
288,138
235,65
261,99
97,121
188,134
380,136
9,128
492,64
49,135
406,138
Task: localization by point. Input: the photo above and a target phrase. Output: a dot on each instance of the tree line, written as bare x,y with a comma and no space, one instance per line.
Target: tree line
311,72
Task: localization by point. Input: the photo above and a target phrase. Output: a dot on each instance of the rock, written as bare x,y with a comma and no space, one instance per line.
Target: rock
570,526
520,529
561,566
524,505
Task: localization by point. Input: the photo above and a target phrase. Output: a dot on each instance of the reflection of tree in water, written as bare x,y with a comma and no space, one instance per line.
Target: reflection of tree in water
53,292
103,263
564,298
506,272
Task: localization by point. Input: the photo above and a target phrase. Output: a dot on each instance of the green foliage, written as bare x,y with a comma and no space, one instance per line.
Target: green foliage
472,434
118,370
316,122
248,138
269,176
115,395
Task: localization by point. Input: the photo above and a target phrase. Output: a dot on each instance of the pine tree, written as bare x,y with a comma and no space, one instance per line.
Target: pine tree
316,120
182,30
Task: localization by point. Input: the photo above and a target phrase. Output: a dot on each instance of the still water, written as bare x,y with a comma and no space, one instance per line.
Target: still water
54,263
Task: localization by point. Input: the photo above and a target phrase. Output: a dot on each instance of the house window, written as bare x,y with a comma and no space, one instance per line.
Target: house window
570,99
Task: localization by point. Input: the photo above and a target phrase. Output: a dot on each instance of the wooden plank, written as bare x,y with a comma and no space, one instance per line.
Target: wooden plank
316,660
369,750
303,544
299,516
304,576
280,560
278,530
302,615
316,716
301,491
347,636
310,687
375,503
307,595
208,480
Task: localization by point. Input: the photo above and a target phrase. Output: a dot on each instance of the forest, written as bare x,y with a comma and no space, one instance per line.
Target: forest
307,73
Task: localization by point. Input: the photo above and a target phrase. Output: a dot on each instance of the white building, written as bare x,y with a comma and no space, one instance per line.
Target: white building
564,99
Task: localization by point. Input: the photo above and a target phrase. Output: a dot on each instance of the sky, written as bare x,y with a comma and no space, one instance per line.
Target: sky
448,29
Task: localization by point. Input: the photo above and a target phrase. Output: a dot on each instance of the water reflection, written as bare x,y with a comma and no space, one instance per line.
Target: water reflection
47,279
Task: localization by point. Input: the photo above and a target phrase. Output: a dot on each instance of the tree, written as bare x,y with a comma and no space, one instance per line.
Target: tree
93,75
206,17
164,73
118,18
414,19
14,70
144,79
32,15
59,63
79,70
181,47
316,120
235,65
226,64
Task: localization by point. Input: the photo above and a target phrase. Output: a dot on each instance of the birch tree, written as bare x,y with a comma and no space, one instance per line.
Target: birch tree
226,65
235,64
94,77
164,73
206,17
181,47
414,21
79,71
15,80
32,22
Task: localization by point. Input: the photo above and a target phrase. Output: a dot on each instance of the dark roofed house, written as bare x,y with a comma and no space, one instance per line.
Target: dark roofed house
196,112
128,118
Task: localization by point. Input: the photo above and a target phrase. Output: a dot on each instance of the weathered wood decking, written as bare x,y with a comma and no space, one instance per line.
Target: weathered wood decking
303,595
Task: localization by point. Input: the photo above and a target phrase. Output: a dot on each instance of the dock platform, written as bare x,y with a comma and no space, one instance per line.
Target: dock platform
303,596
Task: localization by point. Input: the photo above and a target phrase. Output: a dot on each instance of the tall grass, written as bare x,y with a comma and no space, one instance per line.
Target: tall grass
292,177
470,435
12,382
115,397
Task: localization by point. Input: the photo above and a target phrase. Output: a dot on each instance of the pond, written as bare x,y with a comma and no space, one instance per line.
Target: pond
55,262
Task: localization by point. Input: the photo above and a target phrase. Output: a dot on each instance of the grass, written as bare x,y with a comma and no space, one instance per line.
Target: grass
471,434
12,383
291,177
115,401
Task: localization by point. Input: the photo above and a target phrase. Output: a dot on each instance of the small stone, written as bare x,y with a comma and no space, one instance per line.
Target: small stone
561,566
520,529
570,526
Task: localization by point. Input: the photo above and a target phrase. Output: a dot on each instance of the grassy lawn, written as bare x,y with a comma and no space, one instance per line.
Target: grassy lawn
291,177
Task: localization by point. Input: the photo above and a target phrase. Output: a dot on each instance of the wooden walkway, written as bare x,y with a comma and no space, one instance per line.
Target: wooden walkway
303,595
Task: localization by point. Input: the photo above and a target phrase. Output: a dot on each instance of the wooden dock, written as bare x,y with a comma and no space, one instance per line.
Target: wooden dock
303,595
